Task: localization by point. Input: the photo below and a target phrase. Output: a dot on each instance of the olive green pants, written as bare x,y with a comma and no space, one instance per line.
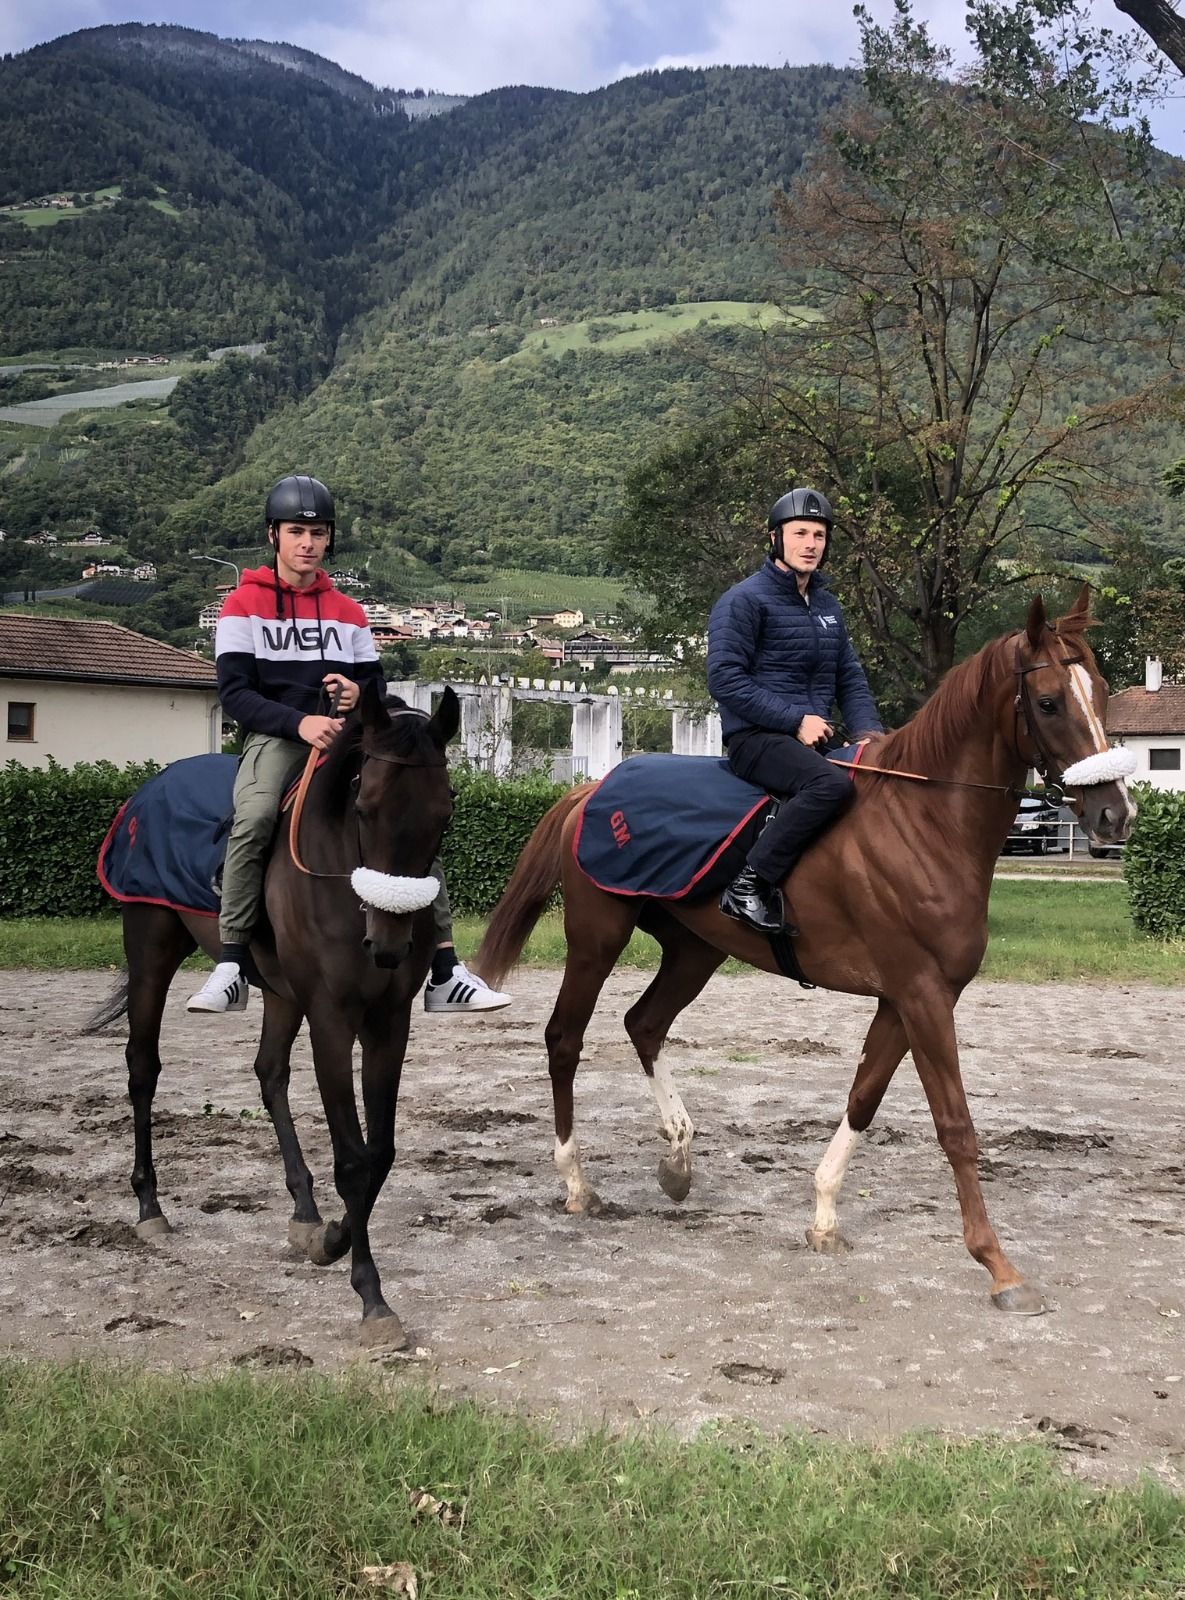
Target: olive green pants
268,764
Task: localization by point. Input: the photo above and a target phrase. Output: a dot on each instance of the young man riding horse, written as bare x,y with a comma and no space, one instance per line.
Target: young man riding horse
779,657
286,639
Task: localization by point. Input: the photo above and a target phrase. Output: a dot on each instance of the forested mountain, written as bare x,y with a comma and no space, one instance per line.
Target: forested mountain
246,190
401,261
417,283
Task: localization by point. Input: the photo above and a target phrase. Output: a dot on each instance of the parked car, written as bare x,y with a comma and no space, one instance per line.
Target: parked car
1036,828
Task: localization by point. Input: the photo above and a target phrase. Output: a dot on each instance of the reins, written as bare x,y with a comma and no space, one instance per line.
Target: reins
306,779
1050,790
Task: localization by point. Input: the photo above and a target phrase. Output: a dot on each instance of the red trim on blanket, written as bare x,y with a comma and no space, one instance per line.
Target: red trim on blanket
641,894
136,899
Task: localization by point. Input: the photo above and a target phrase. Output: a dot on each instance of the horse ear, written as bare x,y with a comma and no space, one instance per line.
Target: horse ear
372,704
1036,622
446,719
1081,606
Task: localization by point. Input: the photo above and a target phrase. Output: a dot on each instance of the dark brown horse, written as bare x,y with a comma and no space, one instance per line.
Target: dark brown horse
345,950
892,902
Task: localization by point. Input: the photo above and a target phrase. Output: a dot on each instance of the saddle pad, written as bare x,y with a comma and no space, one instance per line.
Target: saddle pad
167,842
670,827
657,824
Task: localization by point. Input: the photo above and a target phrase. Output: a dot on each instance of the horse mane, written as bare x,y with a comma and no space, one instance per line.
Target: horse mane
927,739
408,736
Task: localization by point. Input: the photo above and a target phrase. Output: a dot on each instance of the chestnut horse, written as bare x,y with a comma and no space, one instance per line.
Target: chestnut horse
348,945
892,902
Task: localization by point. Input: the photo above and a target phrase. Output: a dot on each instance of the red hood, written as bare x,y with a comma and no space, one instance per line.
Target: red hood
266,578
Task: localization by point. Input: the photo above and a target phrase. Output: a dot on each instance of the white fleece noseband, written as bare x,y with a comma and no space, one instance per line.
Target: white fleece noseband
1107,767
387,893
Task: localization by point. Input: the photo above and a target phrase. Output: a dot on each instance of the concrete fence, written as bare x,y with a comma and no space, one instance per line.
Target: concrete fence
487,722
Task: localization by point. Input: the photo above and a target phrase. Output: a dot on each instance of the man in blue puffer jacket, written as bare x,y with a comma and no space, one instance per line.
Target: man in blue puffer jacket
779,658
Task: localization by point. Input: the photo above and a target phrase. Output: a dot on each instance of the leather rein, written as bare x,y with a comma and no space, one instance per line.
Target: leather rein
1044,763
306,778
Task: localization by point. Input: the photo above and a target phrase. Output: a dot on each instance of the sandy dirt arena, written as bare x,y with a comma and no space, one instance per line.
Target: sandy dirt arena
712,1309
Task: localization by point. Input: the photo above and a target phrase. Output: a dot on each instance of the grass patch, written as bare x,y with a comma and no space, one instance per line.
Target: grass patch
1040,933
633,329
1043,932
113,1485
516,587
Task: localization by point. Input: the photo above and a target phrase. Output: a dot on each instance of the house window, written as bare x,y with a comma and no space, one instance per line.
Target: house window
1164,760
20,719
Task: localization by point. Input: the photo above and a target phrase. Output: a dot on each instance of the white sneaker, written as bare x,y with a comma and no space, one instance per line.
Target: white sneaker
463,990
224,990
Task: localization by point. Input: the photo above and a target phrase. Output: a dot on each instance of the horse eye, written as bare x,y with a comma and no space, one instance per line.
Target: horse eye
1047,705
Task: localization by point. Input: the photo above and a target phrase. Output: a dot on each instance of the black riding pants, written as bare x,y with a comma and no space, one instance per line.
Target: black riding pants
812,792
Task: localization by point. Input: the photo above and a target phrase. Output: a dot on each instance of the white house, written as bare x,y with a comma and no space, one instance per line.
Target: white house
1151,723
80,690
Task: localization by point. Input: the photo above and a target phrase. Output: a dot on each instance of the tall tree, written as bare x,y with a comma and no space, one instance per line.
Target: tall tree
980,249
1163,24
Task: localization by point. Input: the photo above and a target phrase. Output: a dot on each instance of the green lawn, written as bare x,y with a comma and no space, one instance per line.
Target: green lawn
116,1485
49,216
519,588
634,329
1041,932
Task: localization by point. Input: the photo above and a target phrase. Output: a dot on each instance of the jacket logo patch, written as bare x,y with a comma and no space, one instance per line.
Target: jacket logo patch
828,622
300,636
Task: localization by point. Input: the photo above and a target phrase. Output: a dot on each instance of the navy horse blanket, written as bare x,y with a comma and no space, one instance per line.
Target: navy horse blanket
671,827
166,845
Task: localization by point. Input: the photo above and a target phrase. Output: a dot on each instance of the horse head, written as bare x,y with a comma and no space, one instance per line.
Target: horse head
1061,714
402,804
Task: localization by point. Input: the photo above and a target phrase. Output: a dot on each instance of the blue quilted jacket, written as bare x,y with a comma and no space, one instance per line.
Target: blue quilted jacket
775,657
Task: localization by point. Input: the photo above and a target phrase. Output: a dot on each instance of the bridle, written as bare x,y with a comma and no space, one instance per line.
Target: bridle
306,778
1022,712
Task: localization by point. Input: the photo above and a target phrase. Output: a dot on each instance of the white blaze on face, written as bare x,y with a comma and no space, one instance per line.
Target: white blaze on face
1081,685
1108,764
830,1175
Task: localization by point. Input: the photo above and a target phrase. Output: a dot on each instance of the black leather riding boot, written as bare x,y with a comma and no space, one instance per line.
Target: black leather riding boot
751,900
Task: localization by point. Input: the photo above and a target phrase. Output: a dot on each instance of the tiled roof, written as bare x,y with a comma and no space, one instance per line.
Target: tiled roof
79,648
1142,711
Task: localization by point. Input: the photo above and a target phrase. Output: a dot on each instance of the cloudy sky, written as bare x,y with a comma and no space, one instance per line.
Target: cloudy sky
470,45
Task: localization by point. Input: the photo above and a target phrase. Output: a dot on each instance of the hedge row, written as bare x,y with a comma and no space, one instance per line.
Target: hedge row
53,821
1154,863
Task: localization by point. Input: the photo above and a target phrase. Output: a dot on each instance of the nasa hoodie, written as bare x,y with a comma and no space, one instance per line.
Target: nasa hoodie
274,644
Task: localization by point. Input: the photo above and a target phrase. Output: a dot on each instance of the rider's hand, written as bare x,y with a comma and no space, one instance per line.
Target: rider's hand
345,688
320,732
813,730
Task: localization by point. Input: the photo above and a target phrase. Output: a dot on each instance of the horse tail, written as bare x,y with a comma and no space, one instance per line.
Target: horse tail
113,1007
532,884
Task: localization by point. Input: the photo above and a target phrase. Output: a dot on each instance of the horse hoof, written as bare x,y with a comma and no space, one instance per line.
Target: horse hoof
153,1227
588,1204
328,1243
674,1178
1021,1299
829,1243
301,1234
382,1330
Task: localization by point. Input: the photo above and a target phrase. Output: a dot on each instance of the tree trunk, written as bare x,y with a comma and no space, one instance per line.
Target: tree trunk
1163,25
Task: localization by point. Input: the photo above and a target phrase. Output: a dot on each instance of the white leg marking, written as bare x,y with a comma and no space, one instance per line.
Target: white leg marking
673,1113
830,1175
567,1159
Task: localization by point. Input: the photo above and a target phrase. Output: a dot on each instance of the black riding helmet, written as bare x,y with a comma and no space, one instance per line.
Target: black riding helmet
806,505
299,498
